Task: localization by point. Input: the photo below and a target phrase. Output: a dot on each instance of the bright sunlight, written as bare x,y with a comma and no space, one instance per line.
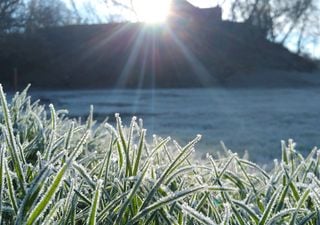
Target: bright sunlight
152,11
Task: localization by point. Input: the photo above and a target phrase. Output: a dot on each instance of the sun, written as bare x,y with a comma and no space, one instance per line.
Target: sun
152,11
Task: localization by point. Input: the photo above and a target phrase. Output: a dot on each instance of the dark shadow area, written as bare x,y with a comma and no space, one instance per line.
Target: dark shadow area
194,49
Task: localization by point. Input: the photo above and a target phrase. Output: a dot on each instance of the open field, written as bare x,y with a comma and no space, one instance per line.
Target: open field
251,119
57,170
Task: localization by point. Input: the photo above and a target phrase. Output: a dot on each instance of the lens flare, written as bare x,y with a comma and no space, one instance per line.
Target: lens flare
152,11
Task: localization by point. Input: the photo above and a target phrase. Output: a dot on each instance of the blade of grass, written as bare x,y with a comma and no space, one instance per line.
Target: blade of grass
95,204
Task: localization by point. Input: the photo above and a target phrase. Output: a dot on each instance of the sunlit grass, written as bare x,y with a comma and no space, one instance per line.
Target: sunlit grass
57,170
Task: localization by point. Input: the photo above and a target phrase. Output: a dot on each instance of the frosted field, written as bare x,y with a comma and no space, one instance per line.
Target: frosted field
254,120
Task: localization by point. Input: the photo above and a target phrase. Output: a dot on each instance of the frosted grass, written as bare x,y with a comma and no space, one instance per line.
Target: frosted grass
57,170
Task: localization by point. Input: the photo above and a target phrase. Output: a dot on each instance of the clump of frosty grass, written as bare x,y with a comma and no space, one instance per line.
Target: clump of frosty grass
55,170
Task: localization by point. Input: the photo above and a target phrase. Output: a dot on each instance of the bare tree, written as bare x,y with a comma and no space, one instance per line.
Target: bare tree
126,7
279,20
10,15
47,13
75,11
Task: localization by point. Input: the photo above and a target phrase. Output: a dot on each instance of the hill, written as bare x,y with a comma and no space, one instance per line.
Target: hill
194,49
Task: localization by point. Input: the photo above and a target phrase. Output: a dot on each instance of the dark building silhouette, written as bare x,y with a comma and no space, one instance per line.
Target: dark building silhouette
183,10
217,13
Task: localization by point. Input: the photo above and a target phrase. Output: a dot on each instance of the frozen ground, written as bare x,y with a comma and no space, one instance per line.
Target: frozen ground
245,119
274,79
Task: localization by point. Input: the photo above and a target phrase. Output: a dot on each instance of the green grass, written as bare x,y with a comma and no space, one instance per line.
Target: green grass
57,170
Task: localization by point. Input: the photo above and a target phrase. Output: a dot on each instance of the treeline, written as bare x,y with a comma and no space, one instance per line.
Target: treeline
25,16
18,16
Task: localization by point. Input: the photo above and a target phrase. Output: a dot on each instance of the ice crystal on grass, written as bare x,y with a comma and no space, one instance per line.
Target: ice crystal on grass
55,170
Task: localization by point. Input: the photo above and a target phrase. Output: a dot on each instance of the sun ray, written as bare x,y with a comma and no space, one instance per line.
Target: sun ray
133,55
198,67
